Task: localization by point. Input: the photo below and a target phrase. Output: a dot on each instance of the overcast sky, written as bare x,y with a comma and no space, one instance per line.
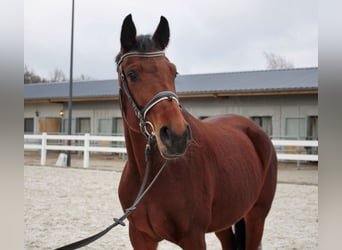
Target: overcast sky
206,36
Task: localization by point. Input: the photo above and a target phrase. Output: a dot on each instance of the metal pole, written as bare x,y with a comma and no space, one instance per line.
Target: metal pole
70,85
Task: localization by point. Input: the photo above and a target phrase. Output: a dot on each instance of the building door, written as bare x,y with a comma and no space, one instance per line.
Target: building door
50,125
265,122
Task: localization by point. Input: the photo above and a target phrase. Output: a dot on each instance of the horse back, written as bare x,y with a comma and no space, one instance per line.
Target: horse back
235,127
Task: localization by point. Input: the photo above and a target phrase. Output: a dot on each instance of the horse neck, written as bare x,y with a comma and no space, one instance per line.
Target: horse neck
136,144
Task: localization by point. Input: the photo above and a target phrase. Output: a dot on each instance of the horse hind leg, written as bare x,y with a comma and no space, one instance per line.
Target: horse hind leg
255,218
240,234
233,240
227,239
254,229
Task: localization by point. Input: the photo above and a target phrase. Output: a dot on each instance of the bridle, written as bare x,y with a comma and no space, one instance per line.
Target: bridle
143,123
161,96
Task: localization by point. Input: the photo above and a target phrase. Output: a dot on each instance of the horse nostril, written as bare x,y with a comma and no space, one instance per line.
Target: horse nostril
188,133
176,144
165,135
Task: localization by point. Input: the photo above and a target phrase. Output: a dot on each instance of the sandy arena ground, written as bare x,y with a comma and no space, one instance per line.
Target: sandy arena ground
63,205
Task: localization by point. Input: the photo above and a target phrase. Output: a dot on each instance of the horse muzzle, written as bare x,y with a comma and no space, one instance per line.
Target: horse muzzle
174,145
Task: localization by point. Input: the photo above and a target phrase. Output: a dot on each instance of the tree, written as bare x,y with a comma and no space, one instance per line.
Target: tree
31,77
83,77
57,76
277,62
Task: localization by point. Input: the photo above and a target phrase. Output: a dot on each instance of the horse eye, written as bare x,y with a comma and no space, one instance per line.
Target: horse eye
132,75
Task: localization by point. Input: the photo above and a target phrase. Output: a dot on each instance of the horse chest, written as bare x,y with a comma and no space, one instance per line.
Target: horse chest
167,210
157,222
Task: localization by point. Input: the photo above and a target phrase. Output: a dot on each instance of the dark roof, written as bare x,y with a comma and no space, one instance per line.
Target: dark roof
233,82
250,81
83,89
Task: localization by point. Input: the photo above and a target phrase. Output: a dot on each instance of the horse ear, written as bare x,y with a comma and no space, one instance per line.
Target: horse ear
128,34
162,34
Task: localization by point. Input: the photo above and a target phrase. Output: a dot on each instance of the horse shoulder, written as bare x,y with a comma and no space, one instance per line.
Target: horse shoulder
128,186
260,140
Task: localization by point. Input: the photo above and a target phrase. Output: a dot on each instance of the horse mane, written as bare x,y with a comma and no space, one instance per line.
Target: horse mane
144,43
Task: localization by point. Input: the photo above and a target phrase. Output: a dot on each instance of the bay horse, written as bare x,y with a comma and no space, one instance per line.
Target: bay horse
220,173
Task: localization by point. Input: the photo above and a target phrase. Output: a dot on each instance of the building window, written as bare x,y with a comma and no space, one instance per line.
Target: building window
66,124
83,125
312,128
118,126
110,126
312,133
105,127
265,122
295,128
28,125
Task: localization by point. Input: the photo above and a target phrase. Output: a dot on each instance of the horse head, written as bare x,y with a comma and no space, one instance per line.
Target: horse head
147,89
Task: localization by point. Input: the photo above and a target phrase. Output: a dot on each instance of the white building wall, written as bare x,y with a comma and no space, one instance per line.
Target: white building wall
278,107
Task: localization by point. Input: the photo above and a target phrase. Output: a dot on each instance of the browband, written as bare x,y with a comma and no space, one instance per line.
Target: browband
140,54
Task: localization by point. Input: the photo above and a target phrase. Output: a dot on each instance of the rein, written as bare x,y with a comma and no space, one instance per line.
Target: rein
141,114
128,211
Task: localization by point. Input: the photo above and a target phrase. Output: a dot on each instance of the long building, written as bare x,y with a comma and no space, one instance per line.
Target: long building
283,102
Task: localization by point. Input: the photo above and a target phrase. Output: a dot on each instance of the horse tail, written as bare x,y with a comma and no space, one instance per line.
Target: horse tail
240,234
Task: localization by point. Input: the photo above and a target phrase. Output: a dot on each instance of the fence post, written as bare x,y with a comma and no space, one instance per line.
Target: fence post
86,151
43,149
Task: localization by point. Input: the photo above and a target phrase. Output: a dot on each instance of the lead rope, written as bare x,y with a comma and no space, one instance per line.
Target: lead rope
150,139
128,211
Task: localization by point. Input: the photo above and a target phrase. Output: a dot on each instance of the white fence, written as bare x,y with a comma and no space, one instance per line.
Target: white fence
300,152
57,142
40,142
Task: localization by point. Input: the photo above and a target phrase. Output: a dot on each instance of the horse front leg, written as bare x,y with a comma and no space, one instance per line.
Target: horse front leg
193,241
140,240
